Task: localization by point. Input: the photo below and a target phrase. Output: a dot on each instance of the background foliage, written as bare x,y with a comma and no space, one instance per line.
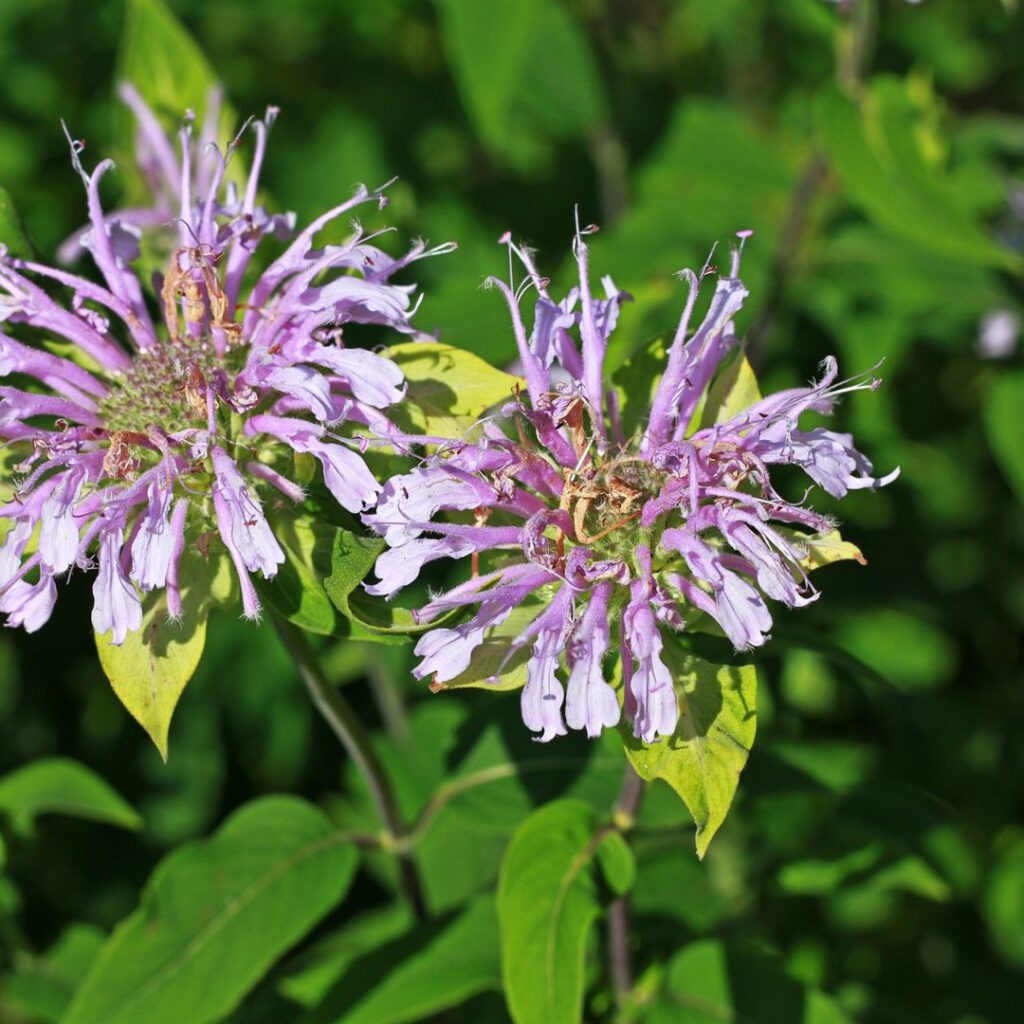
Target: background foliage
873,866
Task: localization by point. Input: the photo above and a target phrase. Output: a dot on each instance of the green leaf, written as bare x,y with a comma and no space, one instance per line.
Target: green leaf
1002,423
821,549
561,87
215,916
449,388
151,668
159,57
61,786
297,591
1003,902
703,758
455,964
352,557
495,664
733,391
714,981
549,895
875,150
488,47
42,987
636,381
309,977
12,231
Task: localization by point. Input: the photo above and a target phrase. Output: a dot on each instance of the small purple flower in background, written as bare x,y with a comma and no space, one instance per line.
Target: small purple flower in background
140,433
600,542
998,334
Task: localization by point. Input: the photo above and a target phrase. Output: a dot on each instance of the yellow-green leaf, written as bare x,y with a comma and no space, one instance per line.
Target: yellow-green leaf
449,388
703,758
151,668
825,548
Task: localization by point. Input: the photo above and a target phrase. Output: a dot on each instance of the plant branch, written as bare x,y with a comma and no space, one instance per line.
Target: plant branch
620,953
345,724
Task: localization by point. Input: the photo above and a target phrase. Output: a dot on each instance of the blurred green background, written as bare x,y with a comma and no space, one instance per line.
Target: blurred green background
877,840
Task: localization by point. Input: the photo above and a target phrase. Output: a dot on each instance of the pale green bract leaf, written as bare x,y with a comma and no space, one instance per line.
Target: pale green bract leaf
732,392
495,663
715,981
215,915
821,549
449,388
61,786
151,668
703,758
549,894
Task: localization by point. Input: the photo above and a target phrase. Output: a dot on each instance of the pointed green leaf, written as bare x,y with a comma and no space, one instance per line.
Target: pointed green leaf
215,915
151,668
61,786
703,758
550,892
733,391
162,60
821,549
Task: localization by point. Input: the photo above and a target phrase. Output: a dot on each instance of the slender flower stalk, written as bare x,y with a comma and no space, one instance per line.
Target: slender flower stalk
604,544
145,424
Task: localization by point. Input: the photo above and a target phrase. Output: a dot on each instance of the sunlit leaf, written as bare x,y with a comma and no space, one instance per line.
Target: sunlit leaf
703,758
151,668
449,389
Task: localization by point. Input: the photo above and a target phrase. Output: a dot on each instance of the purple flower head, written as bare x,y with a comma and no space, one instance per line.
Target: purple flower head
148,422
612,542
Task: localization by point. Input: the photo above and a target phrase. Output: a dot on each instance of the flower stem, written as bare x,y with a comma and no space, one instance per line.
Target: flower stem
620,953
345,724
